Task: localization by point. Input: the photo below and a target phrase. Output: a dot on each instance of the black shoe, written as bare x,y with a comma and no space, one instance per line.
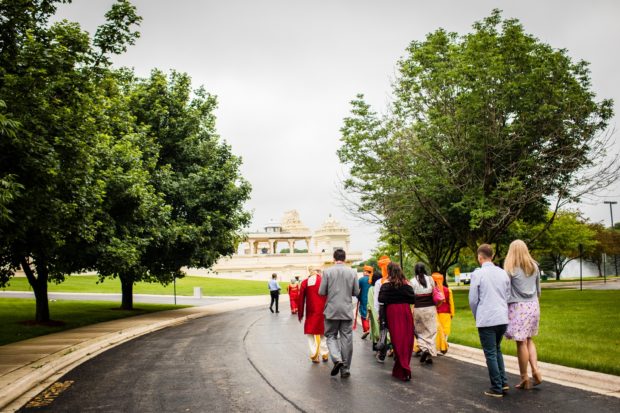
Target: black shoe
365,335
277,311
345,373
337,366
424,356
505,388
429,360
493,393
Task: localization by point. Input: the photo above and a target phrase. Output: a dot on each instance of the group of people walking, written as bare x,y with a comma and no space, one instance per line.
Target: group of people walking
403,316
400,329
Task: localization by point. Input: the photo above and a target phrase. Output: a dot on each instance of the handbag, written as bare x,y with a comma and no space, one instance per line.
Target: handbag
382,344
438,296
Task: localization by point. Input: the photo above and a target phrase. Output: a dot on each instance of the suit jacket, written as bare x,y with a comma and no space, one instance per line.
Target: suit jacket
339,284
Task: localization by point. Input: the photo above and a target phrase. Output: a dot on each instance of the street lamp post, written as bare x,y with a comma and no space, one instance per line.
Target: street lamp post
611,211
611,214
580,267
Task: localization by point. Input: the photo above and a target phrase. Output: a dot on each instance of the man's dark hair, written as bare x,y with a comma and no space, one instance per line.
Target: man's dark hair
486,251
274,275
340,255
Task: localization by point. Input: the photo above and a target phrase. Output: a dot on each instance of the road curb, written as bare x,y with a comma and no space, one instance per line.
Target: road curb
21,384
601,383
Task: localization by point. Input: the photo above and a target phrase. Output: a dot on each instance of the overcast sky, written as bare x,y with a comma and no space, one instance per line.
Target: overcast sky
285,71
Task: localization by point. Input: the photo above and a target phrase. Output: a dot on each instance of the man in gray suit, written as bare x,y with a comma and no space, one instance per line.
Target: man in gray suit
339,284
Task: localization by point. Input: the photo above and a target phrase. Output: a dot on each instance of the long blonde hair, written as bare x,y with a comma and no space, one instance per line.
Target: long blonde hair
519,257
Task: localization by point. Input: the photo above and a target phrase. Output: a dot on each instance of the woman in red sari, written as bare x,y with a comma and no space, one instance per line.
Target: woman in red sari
293,293
397,295
313,304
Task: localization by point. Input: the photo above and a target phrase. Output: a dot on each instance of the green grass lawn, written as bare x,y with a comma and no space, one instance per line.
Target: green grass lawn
14,311
185,286
577,329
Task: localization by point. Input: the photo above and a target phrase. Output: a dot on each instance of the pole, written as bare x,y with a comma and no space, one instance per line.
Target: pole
611,211
400,250
611,215
604,270
580,267
174,283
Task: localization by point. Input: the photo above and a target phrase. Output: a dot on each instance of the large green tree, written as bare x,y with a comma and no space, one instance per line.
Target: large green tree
133,213
484,129
50,81
197,176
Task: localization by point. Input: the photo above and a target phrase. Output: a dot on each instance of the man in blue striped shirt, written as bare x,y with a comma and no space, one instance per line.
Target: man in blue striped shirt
488,300
274,291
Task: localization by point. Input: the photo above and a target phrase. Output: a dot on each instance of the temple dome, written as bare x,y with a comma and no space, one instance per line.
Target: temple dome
292,223
273,226
332,227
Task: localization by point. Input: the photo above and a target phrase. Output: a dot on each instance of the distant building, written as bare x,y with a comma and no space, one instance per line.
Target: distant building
262,253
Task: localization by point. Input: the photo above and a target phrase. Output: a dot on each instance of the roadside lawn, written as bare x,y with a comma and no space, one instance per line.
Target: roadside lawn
577,329
16,312
185,286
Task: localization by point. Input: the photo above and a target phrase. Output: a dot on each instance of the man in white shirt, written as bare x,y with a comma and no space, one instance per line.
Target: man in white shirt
274,291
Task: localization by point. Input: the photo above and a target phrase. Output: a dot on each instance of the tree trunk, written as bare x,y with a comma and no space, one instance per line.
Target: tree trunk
127,292
39,287
558,266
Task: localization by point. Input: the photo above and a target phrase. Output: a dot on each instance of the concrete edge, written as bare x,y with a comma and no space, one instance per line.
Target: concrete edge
592,381
34,377
600,383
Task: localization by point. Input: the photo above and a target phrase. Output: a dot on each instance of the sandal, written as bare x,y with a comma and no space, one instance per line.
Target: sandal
525,384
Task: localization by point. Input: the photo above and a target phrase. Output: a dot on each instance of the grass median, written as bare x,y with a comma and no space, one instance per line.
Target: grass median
577,329
184,286
16,313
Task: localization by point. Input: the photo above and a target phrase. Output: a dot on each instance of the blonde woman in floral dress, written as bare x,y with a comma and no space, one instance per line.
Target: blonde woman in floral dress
523,309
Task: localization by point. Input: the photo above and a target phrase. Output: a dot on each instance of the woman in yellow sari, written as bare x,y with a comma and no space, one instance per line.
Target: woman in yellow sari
445,312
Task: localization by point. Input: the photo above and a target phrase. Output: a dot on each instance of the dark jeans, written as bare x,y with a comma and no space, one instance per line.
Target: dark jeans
275,295
491,339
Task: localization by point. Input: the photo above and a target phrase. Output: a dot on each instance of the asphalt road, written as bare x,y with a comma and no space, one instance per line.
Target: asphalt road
254,361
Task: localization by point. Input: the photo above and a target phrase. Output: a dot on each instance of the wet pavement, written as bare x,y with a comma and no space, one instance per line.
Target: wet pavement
252,360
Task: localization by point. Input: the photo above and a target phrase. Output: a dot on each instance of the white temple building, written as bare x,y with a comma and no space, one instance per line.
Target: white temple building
287,248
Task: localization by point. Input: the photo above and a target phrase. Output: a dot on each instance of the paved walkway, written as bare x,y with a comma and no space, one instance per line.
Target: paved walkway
137,298
29,366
